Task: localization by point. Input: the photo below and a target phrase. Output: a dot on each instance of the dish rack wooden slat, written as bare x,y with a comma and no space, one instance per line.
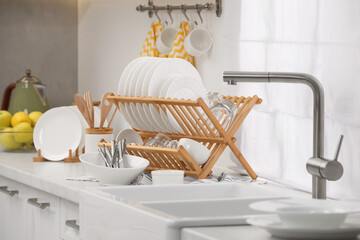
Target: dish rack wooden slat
197,122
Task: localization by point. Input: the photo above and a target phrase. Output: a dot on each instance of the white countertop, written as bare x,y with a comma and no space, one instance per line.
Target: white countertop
245,232
47,176
225,233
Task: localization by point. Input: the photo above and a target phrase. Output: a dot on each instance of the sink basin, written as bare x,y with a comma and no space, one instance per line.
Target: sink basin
159,212
189,192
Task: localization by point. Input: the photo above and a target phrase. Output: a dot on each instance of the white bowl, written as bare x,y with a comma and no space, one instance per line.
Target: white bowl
199,152
309,213
130,135
312,217
162,177
95,165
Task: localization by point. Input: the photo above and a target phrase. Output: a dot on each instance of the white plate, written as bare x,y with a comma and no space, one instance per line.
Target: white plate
128,114
144,119
132,78
168,68
84,125
130,135
156,126
125,73
145,74
163,115
273,225
158,118
148,76
130,91
122,84
183,87
56,132
313,206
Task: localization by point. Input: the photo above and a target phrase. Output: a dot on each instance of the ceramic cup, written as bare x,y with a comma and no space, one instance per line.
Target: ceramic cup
165,40
198,41
162,177
94,135
199,152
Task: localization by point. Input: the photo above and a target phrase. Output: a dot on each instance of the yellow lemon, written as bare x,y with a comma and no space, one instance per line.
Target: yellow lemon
34,117
20,117
5,119
23,133
7,139
29,145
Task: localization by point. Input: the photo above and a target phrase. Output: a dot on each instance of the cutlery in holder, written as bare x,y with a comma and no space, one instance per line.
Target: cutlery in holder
194,118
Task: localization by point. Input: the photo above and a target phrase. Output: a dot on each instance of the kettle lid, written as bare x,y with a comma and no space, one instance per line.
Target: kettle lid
28,78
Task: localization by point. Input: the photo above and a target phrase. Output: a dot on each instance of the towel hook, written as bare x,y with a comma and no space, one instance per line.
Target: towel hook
156,13
184,12
168,7
199,12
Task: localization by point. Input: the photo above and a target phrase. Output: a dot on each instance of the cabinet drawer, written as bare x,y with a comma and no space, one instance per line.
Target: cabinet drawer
13,210
43,215
69,220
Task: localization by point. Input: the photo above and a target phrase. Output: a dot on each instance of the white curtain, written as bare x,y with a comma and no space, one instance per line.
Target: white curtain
320,37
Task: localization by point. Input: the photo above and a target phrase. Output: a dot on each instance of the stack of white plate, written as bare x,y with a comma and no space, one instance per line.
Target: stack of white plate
308,218
160,78
61,129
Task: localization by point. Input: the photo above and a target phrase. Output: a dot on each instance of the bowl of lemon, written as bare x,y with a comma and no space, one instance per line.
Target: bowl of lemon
16,131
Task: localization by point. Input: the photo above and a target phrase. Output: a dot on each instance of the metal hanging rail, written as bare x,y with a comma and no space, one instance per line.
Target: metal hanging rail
208,6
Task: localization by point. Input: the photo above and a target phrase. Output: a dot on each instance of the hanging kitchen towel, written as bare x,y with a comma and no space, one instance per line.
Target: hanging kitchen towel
149,47
178,49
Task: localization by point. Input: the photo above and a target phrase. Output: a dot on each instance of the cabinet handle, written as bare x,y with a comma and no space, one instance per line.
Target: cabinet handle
34,201
72,223
11,193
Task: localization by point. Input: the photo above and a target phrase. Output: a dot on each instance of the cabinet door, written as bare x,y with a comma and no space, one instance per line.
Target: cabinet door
69,220
13,210
43,215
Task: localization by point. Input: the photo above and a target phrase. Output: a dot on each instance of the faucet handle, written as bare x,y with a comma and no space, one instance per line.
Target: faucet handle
331,170
338,148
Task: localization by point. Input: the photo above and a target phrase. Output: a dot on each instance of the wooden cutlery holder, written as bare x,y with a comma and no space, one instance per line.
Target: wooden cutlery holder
198,123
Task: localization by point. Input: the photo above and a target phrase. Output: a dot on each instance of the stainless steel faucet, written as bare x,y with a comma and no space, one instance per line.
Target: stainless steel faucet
320,168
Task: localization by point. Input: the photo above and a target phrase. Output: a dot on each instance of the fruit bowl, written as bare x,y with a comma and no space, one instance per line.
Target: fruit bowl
16,131
16,141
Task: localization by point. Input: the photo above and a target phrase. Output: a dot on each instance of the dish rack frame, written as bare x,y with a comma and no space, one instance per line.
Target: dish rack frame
193,118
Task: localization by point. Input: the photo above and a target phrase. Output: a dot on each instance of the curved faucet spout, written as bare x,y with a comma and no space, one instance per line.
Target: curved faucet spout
317,162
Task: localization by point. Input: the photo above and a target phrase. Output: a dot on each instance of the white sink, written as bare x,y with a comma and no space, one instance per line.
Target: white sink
189,192
159,212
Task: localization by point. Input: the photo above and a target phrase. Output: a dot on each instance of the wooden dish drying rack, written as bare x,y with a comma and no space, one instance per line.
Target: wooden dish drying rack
191,117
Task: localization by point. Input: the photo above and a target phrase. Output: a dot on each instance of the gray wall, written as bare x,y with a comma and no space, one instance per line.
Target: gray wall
40,35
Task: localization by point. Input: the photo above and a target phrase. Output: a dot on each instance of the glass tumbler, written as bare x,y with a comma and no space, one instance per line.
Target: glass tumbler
224,111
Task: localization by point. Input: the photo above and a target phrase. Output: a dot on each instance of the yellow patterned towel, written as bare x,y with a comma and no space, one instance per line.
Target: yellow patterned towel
178,49
149,47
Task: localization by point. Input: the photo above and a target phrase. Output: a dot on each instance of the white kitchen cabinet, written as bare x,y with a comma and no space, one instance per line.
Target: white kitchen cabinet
69,220
13,210
43,215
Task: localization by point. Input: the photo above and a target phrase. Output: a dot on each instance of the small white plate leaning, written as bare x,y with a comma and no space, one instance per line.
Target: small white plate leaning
273,225
56,132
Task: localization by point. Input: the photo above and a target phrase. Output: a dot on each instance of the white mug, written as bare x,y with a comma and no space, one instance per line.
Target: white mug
94,135
165,39
198,41
198,151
